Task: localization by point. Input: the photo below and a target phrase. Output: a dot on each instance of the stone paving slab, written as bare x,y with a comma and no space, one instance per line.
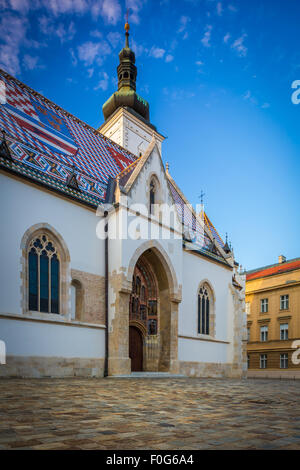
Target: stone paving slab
151,413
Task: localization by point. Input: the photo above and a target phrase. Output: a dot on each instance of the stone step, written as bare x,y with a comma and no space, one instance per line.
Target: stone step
149,375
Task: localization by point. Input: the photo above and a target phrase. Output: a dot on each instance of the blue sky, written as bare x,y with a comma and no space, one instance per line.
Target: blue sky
218,77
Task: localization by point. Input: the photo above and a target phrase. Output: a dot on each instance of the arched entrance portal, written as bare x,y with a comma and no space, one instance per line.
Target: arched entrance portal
157,323
149,315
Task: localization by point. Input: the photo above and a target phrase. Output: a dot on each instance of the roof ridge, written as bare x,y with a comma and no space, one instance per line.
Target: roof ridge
59,108
212,225
125,170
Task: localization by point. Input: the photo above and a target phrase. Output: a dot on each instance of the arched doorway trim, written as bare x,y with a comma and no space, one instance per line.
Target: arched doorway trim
175,290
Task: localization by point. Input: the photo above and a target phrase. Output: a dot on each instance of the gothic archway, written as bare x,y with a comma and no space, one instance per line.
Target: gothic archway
160,351
144,318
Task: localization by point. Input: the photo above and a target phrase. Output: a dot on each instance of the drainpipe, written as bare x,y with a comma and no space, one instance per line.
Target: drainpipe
106,294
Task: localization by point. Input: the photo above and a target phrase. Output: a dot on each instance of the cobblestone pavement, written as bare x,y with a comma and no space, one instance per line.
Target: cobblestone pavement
180,413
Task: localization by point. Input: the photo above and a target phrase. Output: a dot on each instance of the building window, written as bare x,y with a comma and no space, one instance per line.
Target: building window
248,334
152,197
263,361
284,302
284,361
247,305
284,331
43,275
264,305
248,361
264,333
204,307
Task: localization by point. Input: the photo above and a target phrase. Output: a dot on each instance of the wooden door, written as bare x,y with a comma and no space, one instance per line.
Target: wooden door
135,349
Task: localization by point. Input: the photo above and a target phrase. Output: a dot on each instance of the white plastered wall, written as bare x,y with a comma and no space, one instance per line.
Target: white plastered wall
197,269
23,205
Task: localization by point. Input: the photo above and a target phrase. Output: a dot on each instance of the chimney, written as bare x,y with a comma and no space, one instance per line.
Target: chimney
281,259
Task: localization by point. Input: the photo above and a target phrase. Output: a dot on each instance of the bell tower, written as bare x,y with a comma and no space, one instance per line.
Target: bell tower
126,114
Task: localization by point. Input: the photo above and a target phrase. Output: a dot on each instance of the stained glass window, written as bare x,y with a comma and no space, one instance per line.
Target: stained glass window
43,275
33,279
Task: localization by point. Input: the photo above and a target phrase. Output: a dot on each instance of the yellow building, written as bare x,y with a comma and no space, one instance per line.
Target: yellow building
273,320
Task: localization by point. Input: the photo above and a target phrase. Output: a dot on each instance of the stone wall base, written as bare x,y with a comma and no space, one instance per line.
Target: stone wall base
38,367
210,370
274,374
119,366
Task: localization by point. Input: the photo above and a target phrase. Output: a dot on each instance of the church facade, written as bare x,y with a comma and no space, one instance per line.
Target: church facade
105,266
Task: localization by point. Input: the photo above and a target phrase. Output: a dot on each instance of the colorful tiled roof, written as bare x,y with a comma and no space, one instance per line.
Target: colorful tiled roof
124,175
48,143
273,270
193,226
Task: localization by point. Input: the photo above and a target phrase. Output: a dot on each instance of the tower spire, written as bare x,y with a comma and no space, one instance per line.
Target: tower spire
126,96
127,28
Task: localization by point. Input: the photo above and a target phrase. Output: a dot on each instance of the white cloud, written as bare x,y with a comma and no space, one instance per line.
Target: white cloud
96,33
183,23
103,83
73,57
138,49
134,7
207,36
89,52
169,58
110,10
232,8
239,46
31,62
157,52
13,31
249,97
65,6
50,28
114,38
219,9
199,62
90,72
226,38
266,105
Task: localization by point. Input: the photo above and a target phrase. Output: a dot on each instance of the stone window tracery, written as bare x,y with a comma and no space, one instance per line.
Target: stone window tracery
205,311
43,275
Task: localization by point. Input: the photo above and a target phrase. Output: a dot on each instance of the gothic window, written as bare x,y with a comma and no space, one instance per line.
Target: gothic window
43,275
204,307
152,196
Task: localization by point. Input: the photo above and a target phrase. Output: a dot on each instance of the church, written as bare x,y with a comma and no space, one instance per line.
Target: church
106,268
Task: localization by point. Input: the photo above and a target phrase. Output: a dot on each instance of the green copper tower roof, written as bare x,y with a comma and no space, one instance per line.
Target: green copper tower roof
126,96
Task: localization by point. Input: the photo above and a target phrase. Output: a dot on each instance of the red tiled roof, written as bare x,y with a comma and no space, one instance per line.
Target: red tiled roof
278,269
